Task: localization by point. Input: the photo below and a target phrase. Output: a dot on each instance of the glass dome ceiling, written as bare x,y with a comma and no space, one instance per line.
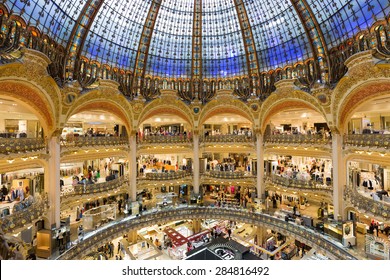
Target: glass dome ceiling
232,37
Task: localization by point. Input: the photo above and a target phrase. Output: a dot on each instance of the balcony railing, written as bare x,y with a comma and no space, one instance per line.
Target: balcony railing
228,138
117,228
87,141
368,140
165,175
165,139
81,189
365,204
298,184
21,145
302,139
227,174
24,214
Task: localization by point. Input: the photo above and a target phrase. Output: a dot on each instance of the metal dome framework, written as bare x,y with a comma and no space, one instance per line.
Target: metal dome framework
196,46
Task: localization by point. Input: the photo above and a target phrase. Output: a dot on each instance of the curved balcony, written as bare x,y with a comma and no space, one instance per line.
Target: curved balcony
304,185
298,139
365,204
375,141
21,145
115,229
165,175
228,138
75,143
81,189
227,174
91,191
165,139
24,213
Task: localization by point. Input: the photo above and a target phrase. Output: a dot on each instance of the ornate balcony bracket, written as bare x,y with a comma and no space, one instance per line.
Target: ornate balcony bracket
98,237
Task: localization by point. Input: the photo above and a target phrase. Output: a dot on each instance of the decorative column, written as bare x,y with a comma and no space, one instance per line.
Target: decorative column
52,182
338,173
133,167
260,165
196,162
196,226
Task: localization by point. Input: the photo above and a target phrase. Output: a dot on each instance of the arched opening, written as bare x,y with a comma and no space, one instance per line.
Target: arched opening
19,120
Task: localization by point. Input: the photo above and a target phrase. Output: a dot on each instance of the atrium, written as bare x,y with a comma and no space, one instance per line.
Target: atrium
195,129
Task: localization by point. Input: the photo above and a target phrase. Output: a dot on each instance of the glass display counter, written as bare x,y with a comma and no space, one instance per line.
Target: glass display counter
334,229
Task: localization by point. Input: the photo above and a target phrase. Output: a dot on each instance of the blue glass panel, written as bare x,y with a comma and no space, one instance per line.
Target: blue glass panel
171,44
223,50
116,31
342,19
278,33
48,16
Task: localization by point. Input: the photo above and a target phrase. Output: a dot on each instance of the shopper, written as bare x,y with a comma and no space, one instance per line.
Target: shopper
119,247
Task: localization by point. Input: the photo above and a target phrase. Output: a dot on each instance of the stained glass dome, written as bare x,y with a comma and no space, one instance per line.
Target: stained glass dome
206,38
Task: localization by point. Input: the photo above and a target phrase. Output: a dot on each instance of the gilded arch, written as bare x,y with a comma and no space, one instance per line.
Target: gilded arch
290,99
96,100
31,97
167,104
359,95
225,105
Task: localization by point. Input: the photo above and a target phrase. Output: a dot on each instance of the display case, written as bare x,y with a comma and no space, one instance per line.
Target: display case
43,243
334,230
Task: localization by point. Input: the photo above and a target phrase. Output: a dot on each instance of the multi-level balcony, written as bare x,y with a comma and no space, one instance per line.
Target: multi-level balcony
301,140
21,146
94,239
23,213
76,143
368,142
233,142
165,143
165,139
81,192
300,185
365,204
227,139
227,177
165,175
153,179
